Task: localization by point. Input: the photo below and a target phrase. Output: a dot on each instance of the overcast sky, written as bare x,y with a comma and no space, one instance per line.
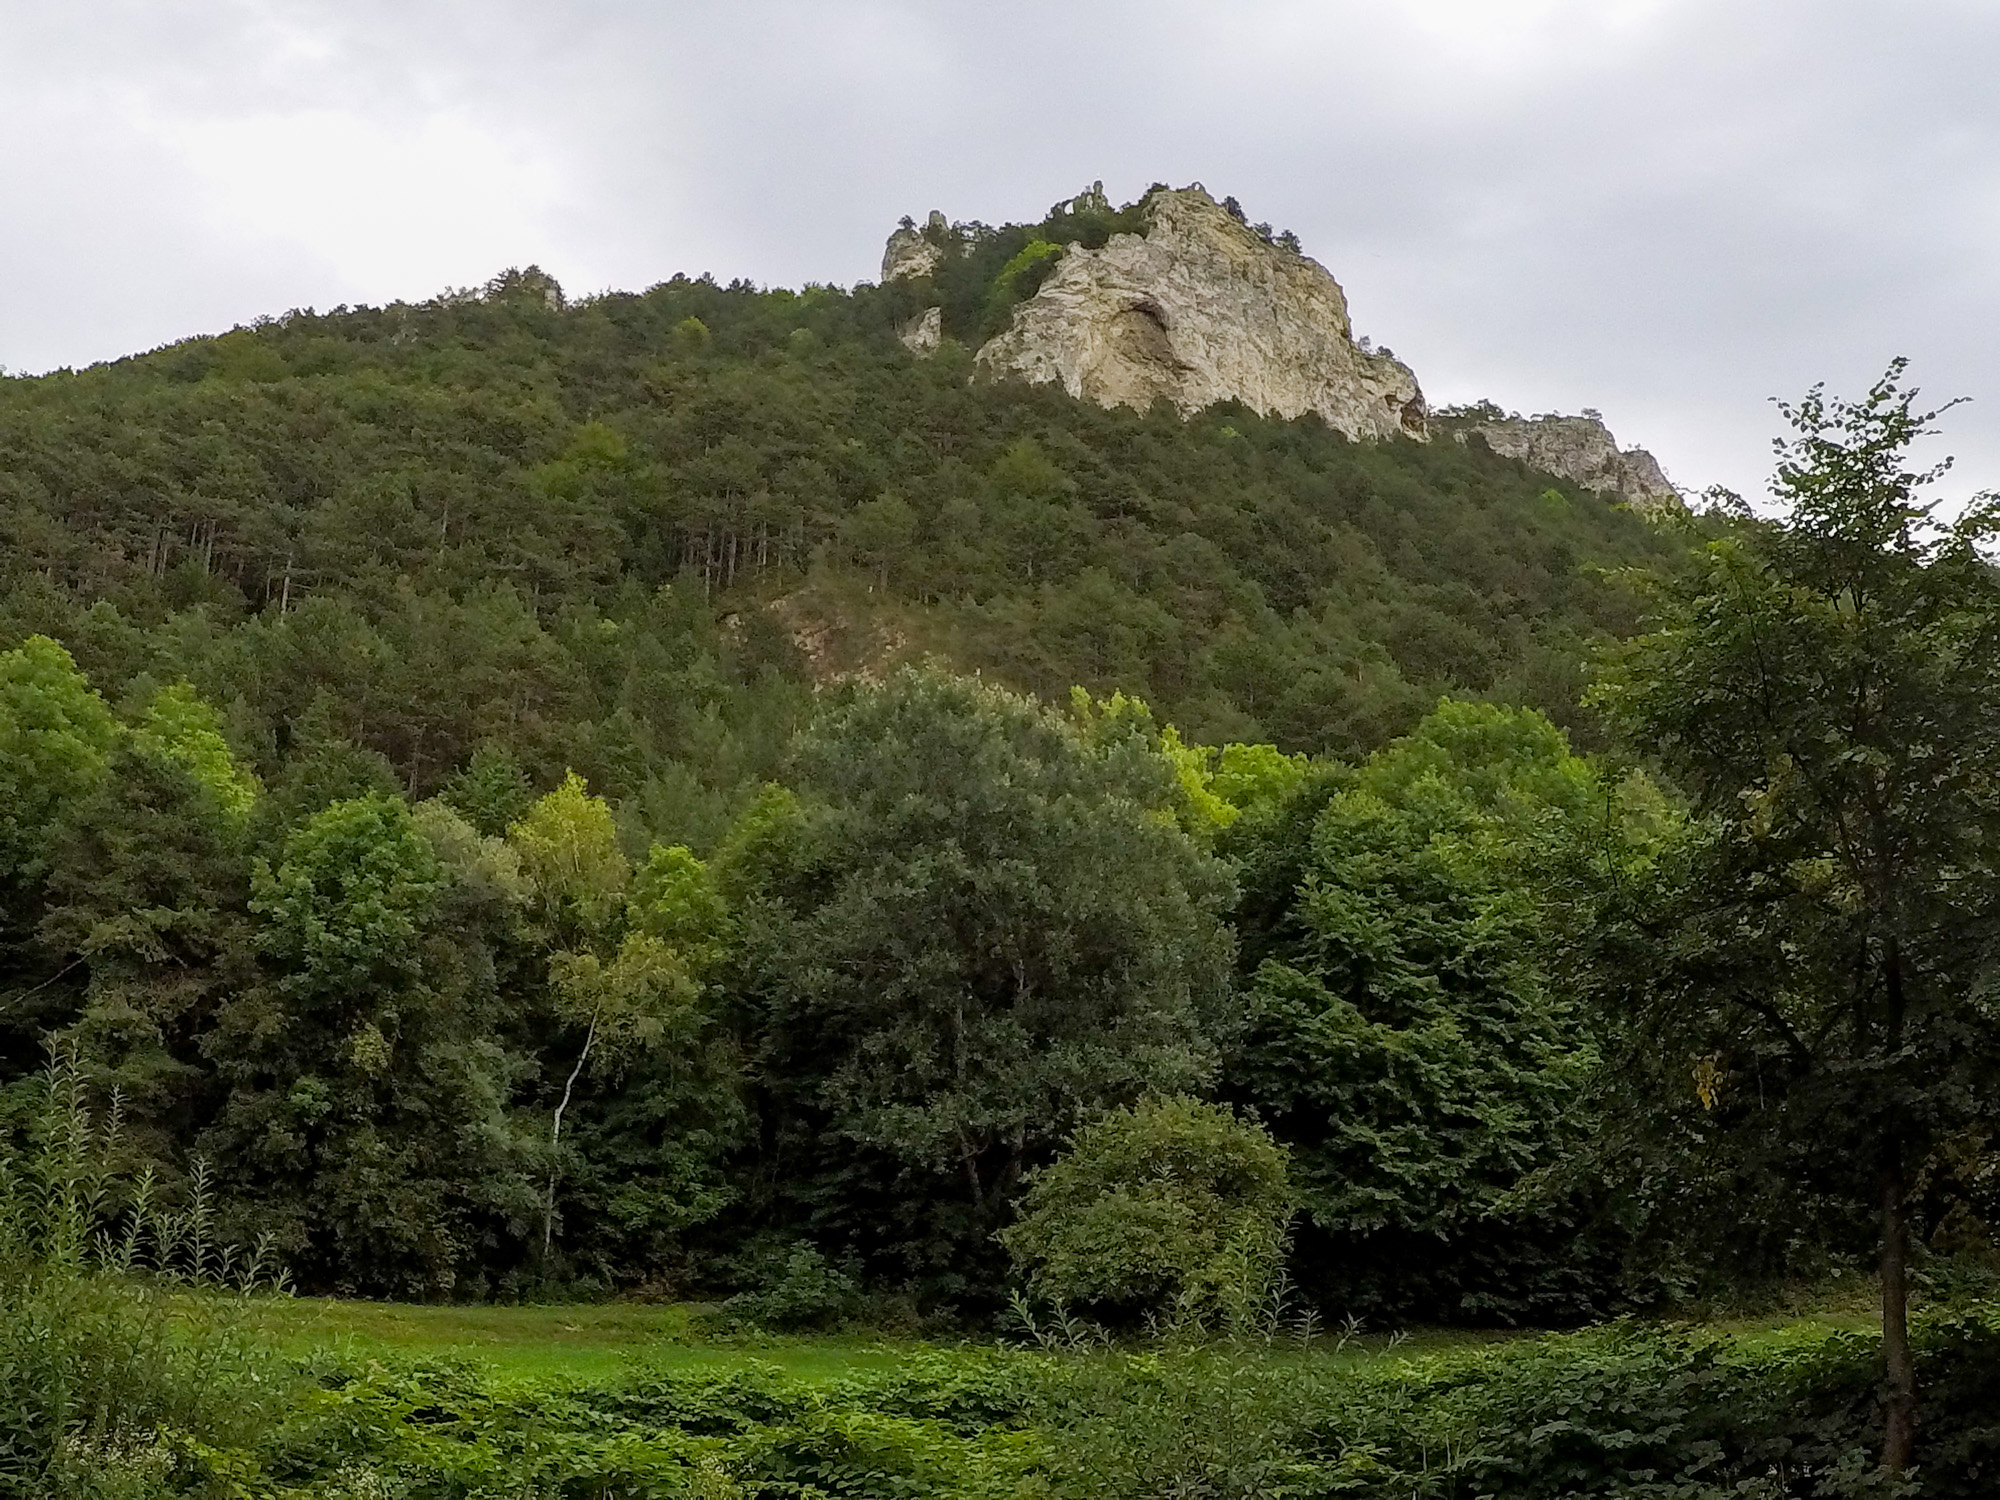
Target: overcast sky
1666,209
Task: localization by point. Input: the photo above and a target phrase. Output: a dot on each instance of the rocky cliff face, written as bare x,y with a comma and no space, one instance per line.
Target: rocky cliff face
909,253
1580,449
1201,309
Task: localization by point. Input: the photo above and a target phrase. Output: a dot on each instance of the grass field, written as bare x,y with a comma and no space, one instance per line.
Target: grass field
602,1342
584,1342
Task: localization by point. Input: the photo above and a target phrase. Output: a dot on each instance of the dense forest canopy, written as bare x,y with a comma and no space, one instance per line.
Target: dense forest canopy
677,792
463,786
609,534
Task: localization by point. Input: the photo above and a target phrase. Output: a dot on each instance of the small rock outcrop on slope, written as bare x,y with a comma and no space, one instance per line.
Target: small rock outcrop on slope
1199,309
923,333
909,254
1580,449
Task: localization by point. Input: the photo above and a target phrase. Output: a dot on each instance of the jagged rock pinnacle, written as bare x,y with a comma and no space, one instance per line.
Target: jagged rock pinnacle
1200,309
1580,449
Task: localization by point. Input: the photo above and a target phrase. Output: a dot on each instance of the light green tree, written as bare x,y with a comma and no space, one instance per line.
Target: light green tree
568,847
178,726
55,736
675,898
1172,1206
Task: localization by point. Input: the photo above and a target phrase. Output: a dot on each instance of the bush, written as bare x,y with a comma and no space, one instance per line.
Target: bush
805,1291
120,1354
1171,1208
107,1383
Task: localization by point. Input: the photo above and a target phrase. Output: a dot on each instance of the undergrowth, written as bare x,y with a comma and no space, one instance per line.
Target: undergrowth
126,1373
120,1350
1625,1412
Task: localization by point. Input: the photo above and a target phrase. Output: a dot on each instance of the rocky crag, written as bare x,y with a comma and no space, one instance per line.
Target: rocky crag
1197,309
1196,306
1580,449
911,252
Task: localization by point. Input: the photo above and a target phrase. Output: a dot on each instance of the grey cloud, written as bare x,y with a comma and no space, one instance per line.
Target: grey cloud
1669,212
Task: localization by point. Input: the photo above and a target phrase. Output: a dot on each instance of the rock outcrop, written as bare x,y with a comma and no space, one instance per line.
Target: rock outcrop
1580,449
910,253
924,332
1198,309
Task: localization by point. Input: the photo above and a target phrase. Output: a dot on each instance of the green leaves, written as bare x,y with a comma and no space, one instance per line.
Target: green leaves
676,900
1404,1037
178,726
971,929
55,733
348,904
1801,993
631,1001
1826,688
568,846
1172,1207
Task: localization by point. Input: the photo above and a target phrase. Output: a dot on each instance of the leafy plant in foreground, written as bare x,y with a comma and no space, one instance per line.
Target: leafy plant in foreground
118,1345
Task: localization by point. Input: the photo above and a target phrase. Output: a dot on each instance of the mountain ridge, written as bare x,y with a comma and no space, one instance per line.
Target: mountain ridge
1179,298
633,534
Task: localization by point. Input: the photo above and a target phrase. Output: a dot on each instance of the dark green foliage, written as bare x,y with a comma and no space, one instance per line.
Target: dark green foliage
492,793
1810,967
798,1289
1172,1208
365,1118
1802,995
972,928
1403,1035
147,895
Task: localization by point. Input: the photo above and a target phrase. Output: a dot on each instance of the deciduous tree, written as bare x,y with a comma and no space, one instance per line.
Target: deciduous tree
1807,984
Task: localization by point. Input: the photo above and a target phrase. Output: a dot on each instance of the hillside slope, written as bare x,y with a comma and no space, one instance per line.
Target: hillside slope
628,534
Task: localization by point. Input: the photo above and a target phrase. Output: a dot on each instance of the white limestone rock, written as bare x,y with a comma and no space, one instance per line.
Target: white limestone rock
923,333
1200,309
1580,449
910,253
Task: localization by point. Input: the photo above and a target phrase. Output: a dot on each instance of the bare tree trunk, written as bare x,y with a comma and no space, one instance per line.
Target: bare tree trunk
1899,1410
555,1138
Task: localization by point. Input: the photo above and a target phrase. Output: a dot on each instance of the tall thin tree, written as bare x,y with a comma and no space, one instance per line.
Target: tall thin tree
1806,982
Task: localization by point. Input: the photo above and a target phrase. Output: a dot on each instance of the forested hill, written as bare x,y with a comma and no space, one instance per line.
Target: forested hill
625,534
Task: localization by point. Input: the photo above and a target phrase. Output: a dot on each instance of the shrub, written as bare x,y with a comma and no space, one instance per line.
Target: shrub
119,1353
805,1291
1171,1208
